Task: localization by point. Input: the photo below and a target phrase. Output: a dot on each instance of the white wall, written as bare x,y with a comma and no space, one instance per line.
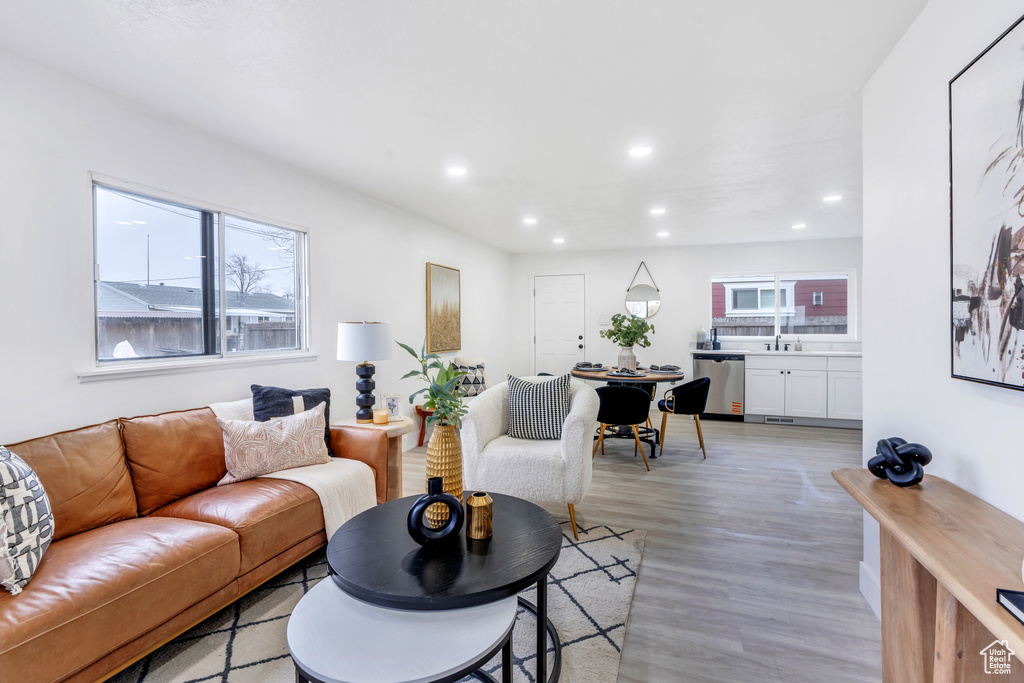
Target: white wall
973,430
367,259
683,274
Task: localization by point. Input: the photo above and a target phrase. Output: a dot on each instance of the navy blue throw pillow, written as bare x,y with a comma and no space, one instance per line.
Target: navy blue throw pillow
271,402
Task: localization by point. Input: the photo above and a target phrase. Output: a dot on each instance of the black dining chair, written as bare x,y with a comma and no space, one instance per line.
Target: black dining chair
623,406
686,399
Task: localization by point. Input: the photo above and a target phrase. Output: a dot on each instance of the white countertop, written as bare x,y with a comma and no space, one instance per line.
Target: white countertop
763,352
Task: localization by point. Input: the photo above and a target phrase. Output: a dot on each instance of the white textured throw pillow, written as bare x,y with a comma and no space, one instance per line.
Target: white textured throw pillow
26,522
252,449
537,410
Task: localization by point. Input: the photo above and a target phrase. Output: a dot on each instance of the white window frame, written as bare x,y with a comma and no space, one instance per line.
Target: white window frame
766,286
778,312
108,369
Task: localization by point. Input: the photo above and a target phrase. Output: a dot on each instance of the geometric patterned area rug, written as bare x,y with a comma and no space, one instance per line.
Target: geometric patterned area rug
590,590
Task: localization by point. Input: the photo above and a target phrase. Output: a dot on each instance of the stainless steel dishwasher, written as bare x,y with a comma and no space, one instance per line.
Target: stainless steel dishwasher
725,396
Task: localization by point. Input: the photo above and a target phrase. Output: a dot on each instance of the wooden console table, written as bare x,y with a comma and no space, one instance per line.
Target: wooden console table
944,552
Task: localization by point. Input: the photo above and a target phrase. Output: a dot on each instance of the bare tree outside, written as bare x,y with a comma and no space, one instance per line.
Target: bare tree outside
247,276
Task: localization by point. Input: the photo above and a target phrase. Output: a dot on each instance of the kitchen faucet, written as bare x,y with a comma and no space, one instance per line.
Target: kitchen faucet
777,341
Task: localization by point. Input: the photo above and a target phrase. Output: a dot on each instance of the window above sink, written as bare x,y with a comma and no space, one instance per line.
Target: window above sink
810,305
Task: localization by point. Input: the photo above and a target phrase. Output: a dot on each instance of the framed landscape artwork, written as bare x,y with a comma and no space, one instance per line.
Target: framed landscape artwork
986,114
444,309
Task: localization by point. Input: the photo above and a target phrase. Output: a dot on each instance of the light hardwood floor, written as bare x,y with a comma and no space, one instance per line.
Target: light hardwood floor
749,572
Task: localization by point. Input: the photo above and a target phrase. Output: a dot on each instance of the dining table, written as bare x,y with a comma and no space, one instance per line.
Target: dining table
649,377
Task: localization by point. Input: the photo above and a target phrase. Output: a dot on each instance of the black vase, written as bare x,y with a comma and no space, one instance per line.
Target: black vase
421,530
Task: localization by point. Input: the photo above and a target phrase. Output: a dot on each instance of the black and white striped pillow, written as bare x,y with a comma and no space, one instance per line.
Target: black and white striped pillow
26,521
537,411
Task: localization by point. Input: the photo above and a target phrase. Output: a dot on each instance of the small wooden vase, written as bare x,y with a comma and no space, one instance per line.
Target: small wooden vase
479,508
444,459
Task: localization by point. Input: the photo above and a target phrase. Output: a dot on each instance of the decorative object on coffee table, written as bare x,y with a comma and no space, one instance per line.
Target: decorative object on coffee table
444,398
444,309
479,511
424,532
900,462
444,461
628,331
363,342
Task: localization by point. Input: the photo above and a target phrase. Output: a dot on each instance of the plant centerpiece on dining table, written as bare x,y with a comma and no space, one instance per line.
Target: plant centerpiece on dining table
444,398
628,331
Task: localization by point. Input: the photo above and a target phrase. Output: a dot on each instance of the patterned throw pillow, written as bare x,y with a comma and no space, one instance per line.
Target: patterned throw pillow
474,382
537,411
26,522
252,449
270,403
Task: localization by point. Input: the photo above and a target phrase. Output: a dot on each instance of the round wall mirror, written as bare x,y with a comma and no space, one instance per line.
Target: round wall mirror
643,301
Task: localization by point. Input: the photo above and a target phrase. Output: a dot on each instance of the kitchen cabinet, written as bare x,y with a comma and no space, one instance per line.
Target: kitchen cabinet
845,389
790,386
806,393
765,392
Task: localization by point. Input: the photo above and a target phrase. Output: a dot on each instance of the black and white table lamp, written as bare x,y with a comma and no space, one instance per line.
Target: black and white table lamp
364,342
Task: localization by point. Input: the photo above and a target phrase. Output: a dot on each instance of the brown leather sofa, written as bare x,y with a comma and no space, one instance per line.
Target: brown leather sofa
146,545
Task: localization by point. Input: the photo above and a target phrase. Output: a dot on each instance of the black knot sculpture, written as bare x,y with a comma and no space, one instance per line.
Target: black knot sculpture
900,462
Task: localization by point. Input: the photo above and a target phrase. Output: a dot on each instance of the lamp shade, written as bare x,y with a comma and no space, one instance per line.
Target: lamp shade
364,341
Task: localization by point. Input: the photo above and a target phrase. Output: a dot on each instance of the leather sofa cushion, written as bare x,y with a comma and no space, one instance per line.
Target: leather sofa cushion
173,455
85,476
100,589
269,515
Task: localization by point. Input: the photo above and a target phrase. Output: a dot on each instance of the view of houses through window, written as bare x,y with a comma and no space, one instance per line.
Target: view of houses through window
767,305
159,274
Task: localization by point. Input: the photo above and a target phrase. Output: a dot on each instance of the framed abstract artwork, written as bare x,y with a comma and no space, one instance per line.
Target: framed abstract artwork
444,309
986,167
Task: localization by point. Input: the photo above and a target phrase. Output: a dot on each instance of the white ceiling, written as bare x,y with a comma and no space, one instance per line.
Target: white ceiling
752,107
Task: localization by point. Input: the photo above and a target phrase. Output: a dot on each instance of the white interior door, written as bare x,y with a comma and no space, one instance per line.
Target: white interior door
559,322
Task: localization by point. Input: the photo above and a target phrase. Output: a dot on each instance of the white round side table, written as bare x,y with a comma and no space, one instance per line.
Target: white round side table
336,638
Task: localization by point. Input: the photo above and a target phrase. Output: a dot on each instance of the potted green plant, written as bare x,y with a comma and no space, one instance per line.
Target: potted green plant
628,331
444,398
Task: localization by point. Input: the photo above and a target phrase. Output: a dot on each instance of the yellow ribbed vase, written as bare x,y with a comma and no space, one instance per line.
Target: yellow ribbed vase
444,459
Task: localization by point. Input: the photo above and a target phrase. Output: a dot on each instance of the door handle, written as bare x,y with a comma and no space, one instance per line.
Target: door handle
581,346
581,337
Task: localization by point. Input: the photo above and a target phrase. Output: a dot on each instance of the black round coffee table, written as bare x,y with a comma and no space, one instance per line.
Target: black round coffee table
373,558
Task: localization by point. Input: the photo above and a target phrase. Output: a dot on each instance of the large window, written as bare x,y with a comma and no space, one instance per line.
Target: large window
174,280
771,304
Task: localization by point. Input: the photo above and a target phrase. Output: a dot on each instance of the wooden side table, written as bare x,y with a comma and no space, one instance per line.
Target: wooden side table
394,430
424,413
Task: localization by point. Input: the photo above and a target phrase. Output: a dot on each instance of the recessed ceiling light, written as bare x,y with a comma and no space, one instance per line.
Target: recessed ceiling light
123,222
799,226
658,211
832,198
530,220
559,240
456,171
637,152
662,234
139,222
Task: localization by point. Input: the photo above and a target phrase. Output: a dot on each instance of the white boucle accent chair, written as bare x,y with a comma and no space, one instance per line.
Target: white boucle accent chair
541,471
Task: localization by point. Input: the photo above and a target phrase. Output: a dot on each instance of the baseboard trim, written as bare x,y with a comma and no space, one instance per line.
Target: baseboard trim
871,589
